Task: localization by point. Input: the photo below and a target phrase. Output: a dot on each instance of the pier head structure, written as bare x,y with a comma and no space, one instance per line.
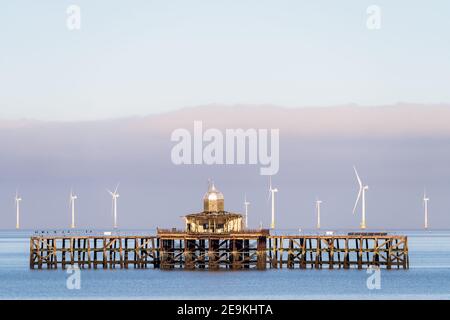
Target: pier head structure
213,239
213,218
216,239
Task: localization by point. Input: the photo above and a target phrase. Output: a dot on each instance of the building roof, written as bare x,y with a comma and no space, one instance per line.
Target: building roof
208,214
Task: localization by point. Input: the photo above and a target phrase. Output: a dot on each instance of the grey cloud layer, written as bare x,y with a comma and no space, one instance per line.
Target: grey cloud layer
399,150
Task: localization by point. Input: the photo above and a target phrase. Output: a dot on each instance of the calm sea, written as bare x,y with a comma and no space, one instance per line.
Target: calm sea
427,278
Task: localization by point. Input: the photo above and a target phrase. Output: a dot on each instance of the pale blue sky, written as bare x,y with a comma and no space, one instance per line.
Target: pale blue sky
143,57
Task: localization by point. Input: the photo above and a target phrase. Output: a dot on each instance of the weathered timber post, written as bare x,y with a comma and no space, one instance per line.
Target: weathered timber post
63,253
213,254
358,242
318,254
346,254
275,253
55,255
262,252
32,254
331,253
290,259
405,253
281,252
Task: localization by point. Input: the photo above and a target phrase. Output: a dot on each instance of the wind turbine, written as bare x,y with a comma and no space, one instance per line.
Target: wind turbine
272,192
114,195
246,204
17,200
72,198
318,202
362,191
425,206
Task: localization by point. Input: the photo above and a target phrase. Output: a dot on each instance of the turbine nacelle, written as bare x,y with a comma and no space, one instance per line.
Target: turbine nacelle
271,190
361,196
425,197
17,198
114,195
72,196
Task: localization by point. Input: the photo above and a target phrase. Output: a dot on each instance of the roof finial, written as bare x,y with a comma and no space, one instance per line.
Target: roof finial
211,186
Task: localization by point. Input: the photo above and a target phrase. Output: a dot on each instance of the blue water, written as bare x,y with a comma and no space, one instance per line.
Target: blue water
427,278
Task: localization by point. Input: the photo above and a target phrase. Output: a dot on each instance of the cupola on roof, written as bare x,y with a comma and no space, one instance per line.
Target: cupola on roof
213,201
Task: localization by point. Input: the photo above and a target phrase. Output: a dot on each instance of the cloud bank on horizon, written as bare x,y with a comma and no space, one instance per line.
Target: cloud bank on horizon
399,151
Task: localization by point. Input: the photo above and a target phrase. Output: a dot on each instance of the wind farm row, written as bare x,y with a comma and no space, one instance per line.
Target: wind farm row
360,201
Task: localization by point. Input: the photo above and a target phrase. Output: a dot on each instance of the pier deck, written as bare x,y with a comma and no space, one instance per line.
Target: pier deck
241,250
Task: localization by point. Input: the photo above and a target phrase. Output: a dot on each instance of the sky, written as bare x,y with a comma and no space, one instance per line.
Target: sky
146,57
88,108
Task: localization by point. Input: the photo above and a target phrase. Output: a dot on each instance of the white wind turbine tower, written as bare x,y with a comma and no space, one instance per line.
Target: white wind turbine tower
114,195
425,206
246,204
318,202
362,191
272,192
72,198
17,200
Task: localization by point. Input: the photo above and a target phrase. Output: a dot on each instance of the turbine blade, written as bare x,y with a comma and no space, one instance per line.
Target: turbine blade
357,200
357,176
117,187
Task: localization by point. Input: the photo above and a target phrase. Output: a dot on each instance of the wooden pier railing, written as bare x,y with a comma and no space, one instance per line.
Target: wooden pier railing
244,250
